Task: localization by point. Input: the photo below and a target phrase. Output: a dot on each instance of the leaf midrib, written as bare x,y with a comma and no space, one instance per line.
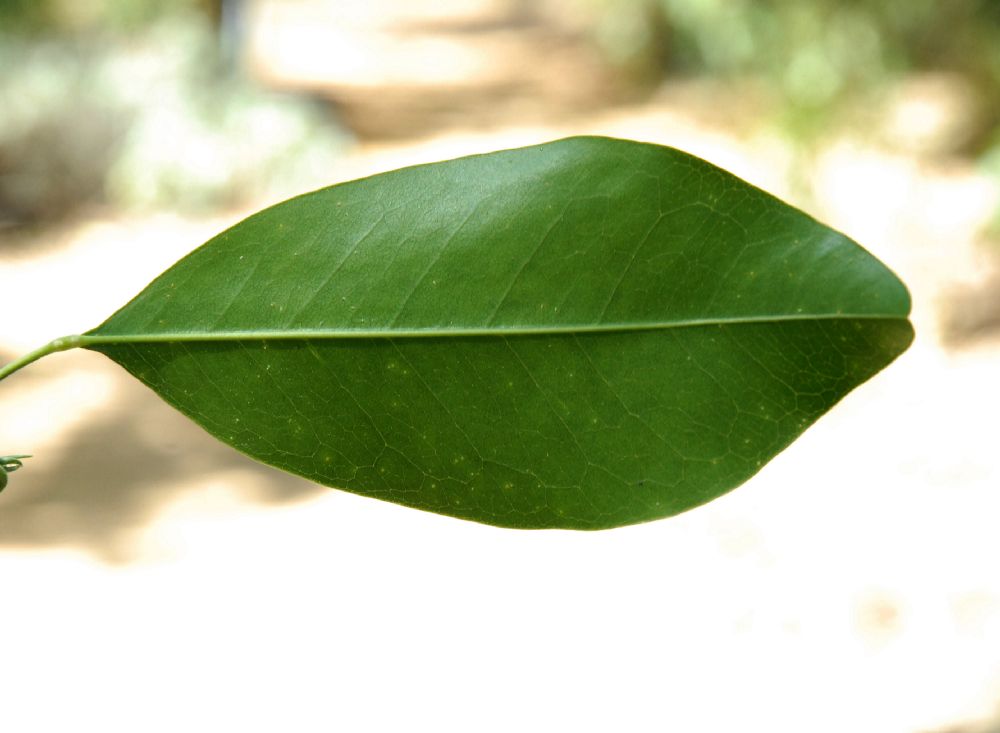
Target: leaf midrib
95,338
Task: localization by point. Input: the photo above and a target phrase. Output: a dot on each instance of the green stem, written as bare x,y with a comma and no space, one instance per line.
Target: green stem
60,344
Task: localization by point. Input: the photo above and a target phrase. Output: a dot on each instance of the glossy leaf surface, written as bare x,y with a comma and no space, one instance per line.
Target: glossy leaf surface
582,334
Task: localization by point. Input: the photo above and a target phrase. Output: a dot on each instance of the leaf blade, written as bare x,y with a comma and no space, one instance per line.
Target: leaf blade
490,340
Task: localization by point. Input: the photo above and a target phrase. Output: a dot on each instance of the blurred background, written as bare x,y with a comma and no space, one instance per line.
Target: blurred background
151,578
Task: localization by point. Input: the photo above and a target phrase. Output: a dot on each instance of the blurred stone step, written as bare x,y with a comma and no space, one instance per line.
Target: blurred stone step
401,67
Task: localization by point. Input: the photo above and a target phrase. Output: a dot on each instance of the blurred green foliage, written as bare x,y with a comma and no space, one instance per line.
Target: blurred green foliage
59,17
817,55
131,103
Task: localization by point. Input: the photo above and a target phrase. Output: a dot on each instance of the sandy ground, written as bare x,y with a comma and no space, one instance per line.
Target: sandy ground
153,579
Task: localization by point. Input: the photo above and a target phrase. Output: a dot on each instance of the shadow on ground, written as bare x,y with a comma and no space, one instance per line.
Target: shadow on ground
116,471
972,314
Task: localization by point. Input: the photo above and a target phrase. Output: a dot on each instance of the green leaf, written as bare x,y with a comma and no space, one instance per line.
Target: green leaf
9,464
582,334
